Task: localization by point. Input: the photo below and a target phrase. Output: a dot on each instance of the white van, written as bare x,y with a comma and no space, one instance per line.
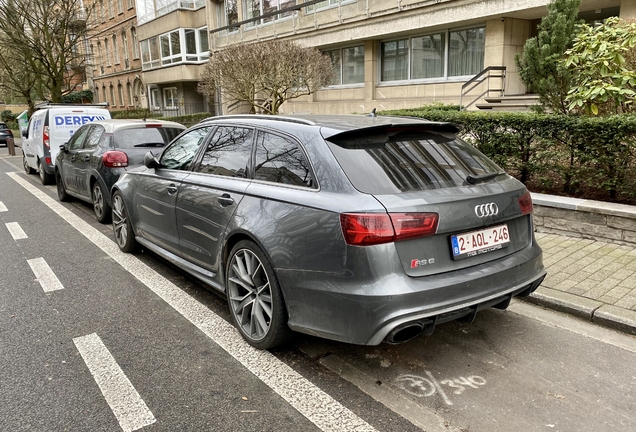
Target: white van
49,127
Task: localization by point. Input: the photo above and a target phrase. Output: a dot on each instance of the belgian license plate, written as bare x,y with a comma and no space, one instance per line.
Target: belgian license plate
480,242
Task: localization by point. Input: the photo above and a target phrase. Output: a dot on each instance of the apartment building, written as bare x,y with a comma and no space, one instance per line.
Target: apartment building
114,72
387,54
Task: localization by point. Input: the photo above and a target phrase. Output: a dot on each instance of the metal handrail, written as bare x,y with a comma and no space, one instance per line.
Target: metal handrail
478,79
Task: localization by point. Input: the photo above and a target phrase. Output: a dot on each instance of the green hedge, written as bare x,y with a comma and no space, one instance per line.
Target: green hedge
583,157
186,120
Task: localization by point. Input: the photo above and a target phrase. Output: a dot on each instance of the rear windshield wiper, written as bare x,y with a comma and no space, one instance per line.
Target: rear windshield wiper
150,145
478,178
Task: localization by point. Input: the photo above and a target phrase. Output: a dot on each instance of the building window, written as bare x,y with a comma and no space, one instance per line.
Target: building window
130,4
124,42
135,43
129,93
120,91
395,60
428,56
228,13
204,44
170,47
466,51
111,8
255,8
170,97
102,13
112,95
348,65
105,96
326,4
453,53
115,49
150,53
107,52
183,45
148,10
120,6
154,98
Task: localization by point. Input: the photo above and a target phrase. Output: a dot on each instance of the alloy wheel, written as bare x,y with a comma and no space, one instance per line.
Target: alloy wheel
250,294
120,221
98,201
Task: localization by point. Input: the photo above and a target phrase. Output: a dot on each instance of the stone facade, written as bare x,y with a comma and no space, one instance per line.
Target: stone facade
114,72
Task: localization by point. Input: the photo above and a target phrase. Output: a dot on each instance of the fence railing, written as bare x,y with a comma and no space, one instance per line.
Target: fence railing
485,75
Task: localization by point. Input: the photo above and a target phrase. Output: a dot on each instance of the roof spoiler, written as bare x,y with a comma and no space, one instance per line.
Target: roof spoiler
379,135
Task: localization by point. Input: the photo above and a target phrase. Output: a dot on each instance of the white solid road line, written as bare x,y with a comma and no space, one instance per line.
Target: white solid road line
316,405
129,408
3,208
16,231
45,275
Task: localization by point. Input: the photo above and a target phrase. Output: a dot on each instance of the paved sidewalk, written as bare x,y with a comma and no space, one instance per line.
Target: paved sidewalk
590,279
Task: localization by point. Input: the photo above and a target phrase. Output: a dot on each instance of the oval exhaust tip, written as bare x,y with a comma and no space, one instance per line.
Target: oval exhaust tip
404,333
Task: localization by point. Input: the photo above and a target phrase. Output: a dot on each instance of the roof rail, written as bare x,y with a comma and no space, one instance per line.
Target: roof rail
262,117
48,104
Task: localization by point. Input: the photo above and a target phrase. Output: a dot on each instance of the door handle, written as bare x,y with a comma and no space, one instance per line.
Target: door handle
225,200
172,189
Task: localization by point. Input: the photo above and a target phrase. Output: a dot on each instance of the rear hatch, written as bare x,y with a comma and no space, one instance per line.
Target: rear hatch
137,141
482,213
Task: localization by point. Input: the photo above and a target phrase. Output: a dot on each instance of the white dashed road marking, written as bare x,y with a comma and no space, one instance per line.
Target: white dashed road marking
129,408
316,405
45,275
3,208
16,231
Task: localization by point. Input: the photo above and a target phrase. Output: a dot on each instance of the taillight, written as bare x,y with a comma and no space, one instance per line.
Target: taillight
525,202
45,137
115,159
366,229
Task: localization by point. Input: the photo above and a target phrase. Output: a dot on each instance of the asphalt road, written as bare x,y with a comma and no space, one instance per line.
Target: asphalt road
92,339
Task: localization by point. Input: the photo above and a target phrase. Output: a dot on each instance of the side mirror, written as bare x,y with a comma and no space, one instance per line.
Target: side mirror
64,147
24,133
150,161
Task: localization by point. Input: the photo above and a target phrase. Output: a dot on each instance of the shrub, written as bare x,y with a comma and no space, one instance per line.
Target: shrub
577,156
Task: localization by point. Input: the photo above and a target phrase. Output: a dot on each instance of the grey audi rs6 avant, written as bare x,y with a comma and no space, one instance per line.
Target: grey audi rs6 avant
352,228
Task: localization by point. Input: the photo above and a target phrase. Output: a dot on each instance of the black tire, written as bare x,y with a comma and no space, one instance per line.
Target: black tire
45,177
100,204
27,168
254,297
124,235
61,190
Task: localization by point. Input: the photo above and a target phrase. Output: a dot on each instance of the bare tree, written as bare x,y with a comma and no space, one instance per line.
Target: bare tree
266,74
42,44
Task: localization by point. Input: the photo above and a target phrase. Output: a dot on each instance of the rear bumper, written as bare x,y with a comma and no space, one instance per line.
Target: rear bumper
364,311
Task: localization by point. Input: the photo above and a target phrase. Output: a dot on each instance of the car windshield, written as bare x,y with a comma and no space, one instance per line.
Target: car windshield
145,137
410,161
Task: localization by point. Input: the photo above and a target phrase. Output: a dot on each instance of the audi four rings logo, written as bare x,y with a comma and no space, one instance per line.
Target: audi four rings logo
484,210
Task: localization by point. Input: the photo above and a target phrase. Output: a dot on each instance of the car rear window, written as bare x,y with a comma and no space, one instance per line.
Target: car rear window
145,137
408,161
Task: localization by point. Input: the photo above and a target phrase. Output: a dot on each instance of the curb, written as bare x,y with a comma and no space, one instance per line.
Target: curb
591,310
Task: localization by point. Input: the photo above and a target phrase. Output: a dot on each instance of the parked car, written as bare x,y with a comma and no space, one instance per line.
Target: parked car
5,133
50,126
90,163
352,228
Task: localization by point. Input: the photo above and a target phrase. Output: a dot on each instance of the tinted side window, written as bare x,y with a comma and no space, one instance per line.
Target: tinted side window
281,160
93,137
228,153
181,152
78,138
